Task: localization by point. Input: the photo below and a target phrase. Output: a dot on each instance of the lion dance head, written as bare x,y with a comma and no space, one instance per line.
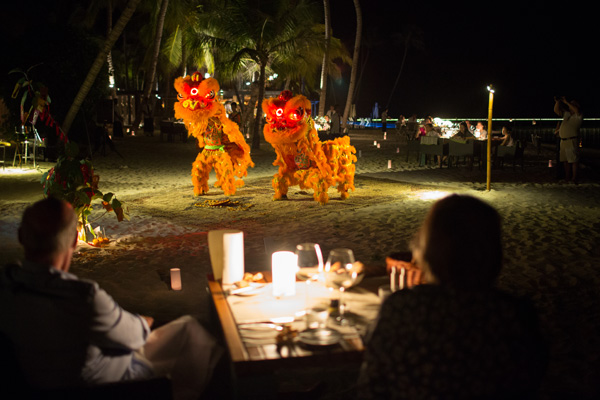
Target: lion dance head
288,118
197,101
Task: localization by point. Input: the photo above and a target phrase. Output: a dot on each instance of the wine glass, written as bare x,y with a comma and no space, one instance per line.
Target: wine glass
341,273
310,261
310,268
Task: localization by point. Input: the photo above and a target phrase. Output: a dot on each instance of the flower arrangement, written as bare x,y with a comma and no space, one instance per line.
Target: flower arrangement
73,180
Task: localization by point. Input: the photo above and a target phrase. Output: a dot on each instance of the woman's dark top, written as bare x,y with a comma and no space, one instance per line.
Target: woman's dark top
437,342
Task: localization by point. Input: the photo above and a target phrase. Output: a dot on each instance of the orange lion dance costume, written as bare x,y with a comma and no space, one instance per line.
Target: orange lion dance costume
223,145
301,157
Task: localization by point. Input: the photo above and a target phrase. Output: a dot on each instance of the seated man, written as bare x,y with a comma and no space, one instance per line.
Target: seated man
68,332
456,336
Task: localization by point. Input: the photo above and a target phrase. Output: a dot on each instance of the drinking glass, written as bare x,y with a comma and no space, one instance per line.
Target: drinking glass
310,261
340,274
310,268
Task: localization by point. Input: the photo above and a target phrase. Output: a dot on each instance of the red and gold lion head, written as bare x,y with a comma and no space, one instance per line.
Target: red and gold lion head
197,98
288,118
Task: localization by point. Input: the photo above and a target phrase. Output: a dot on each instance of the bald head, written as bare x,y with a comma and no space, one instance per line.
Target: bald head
48,230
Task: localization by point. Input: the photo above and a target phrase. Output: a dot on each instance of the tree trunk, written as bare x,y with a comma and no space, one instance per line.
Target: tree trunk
261,95
98,63
323,95
151,71
109,60
349,99
406,44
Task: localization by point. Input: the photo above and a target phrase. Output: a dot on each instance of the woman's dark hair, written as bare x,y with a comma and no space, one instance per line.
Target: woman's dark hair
460,242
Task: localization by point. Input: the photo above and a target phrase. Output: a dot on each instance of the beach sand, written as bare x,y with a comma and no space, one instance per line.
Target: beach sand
551,232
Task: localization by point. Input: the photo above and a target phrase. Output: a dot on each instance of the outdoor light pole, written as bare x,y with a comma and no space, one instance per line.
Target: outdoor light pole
489,138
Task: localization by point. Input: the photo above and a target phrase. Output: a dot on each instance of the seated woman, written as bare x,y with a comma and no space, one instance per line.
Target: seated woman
463,132
456,336
507,139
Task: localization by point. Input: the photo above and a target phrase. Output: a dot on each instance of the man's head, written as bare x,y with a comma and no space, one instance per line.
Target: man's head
459,243
48,232
233,106
480,126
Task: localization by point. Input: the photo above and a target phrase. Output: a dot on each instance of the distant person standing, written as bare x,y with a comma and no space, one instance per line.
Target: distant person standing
375,112
335,122
384,116
569,135
235,115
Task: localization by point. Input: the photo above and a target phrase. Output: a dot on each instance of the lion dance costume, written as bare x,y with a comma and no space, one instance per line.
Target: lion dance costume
223,145
302,158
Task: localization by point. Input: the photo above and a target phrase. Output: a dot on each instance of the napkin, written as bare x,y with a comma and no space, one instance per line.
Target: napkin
226,248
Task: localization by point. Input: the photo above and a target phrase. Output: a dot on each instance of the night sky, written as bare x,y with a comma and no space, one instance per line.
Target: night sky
530,51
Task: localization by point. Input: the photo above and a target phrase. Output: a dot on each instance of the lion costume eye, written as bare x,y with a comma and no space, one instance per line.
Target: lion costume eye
194,91
297,114
210,95
279,112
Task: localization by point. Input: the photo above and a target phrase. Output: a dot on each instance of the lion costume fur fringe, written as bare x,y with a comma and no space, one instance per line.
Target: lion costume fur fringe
223,145
302,158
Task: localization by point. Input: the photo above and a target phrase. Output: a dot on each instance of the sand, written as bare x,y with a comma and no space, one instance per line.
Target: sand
551,232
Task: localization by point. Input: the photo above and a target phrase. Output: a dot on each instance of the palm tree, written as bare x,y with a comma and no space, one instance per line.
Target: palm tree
259,32
412,36
350,99
323,85
151,69
98,63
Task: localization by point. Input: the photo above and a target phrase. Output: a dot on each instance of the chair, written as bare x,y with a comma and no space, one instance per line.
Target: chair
4,145
433,146
166,128
468,149
13,384
513,153
413,146
179,129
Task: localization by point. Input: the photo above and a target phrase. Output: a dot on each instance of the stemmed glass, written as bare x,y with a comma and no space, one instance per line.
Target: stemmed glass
310,268
310,261
340,273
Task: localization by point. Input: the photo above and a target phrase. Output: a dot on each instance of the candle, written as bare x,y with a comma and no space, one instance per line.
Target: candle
374,142
359,153
389,164
378,146
175,278
393,280
397,149
401,279
384,135
284,265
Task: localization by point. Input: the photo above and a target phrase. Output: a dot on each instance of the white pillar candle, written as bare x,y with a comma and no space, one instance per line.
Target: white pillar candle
374,142
384,135
389,164
284,265
175,278
397,149
378,145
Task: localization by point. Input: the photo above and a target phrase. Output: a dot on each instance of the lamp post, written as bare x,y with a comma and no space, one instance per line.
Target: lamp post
489,139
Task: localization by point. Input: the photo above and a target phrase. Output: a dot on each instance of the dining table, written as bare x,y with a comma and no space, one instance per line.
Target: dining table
265,335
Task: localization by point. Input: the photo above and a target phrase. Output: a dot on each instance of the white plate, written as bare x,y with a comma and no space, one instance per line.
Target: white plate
251,290
320,336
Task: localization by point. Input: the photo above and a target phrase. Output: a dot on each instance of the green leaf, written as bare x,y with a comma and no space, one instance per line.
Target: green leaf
108,197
